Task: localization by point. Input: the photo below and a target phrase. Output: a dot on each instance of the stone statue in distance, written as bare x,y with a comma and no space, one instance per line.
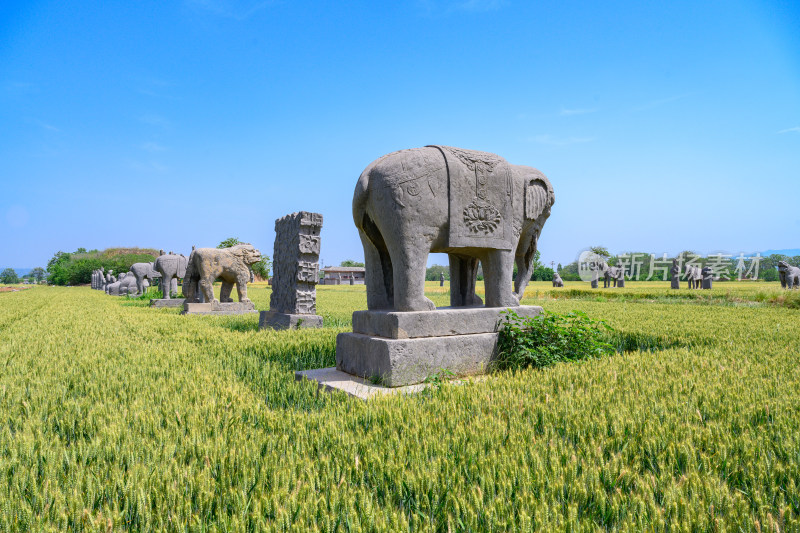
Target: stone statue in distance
789,275
232,266
295,264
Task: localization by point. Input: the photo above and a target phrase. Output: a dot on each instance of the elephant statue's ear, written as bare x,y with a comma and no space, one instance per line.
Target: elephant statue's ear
535,198
182,262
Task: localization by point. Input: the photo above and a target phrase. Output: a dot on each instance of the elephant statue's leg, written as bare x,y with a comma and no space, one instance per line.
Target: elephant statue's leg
172,287
189,289
409,260
498,270
378,275
463,275
139,285
165,286
207,290
225,292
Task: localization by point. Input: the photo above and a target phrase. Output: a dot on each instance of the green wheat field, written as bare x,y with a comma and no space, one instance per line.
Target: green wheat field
115,416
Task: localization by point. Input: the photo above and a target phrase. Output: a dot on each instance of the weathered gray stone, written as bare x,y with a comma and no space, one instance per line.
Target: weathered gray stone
595,268
109,279
126,285
557,281
296,272
620,273
445,321
708,277
231,265
789,275
171,267
609,277
675,271
403,348
330,379
398,362
271,319
142,271
694,276
167,302
218,308
474,206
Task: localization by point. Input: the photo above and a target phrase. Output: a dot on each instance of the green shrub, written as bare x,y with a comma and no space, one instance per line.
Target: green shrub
549,338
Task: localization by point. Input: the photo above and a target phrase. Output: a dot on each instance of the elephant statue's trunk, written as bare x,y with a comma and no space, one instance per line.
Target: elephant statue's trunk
526,250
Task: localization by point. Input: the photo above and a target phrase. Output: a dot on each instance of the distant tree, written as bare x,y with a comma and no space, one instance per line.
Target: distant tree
769,275
9,276
80,251
230,241
56,268
542,274
434,272
263,267
602,251
37,274
351,263
558,268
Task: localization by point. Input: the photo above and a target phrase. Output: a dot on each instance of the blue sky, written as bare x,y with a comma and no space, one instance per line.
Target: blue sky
663,126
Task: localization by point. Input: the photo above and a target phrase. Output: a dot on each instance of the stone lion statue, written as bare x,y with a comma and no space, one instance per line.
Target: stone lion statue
231,265
789,275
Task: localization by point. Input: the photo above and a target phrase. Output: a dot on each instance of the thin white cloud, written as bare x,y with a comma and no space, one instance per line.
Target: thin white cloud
153,147
154,87
44,125
154,120
658,103
571,112
550,140
788,130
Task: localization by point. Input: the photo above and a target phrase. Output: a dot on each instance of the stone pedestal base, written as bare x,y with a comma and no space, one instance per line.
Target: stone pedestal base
218,308
331,379
271,319
163,302
403,348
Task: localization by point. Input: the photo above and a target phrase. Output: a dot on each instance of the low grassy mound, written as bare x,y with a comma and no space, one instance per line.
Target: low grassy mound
76,268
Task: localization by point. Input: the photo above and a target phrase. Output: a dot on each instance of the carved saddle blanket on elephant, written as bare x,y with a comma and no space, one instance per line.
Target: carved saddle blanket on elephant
480,194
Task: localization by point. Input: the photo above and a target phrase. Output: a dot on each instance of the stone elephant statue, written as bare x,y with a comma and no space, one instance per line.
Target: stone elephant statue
171,267
789,275
474,206
611,276
231,265
126,284
694,276
142,271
